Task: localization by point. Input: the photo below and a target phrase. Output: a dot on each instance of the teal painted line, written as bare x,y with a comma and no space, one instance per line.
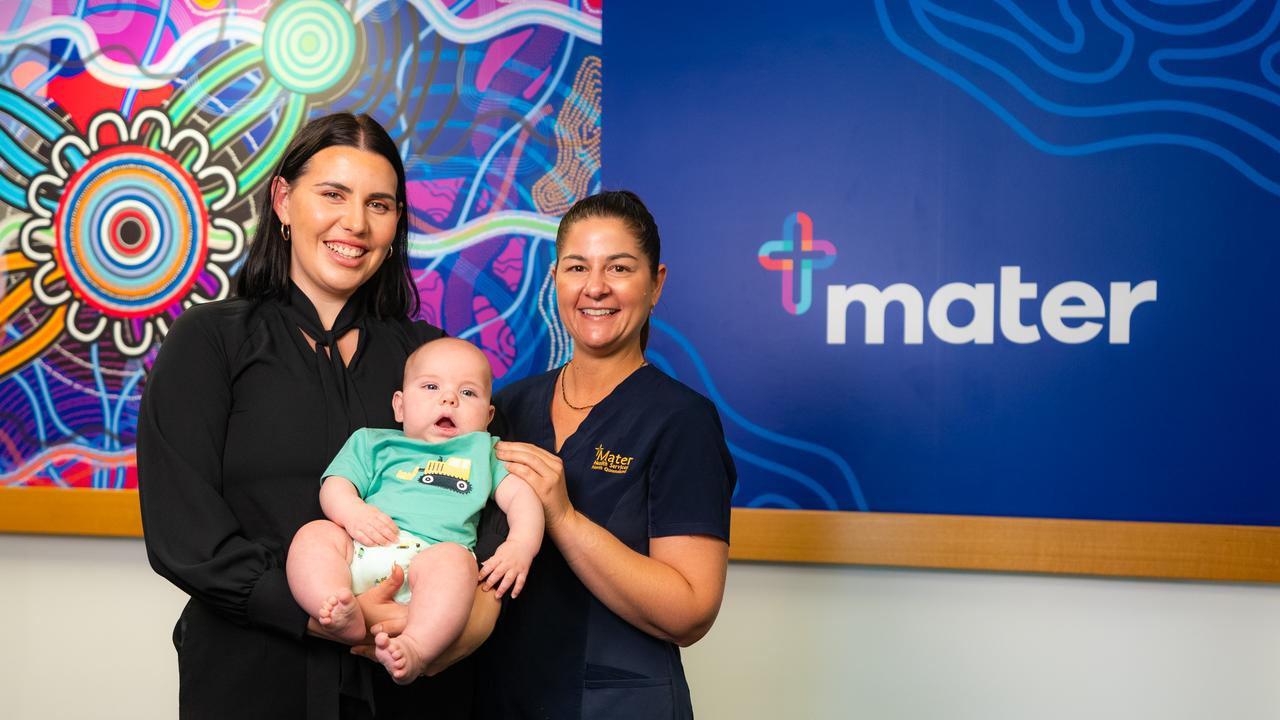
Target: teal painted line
34,116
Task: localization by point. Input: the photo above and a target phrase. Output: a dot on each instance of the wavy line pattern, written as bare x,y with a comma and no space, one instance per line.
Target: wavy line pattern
798,469
68,453
82,37
482,229
1185,79
470,30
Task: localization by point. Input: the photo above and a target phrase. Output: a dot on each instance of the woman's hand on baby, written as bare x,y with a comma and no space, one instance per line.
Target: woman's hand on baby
508,568
381,611
370,526
544,472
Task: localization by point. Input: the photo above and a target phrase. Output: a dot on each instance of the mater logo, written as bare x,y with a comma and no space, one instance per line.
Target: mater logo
796,256
1071,312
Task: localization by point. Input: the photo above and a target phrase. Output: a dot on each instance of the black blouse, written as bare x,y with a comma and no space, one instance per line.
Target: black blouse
237,423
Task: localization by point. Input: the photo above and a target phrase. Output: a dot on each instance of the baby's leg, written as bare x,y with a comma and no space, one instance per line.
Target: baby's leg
319,572
442,579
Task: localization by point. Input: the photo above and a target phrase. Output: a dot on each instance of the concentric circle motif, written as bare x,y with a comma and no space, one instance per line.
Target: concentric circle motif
131,233
308,45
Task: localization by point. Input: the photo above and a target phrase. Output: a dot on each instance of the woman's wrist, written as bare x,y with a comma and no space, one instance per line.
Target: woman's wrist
556,519
566,526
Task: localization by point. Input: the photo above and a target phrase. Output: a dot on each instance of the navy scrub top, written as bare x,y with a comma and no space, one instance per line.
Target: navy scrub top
650,460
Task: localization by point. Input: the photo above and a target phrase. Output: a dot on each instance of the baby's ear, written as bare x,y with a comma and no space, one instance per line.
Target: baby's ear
397,404
492,410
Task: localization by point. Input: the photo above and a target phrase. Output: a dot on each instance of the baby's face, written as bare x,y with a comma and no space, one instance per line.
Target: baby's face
447,387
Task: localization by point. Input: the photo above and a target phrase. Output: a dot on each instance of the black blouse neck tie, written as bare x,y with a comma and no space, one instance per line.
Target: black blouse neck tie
344,411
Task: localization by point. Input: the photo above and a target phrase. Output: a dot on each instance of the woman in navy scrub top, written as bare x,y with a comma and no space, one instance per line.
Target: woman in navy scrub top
635,480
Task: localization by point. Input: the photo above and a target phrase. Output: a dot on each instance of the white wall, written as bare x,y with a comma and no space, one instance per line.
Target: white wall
837,642
89,631
89,638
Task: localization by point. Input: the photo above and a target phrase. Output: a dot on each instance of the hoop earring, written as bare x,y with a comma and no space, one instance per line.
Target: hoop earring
286,232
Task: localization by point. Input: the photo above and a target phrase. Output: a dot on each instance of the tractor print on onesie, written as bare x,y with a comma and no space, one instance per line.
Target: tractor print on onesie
451,474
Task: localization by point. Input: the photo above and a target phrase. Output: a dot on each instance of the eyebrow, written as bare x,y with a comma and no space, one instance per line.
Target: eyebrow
615,256
339,186
433,375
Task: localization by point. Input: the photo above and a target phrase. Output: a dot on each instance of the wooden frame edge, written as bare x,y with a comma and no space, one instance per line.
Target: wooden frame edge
1075,547
62,511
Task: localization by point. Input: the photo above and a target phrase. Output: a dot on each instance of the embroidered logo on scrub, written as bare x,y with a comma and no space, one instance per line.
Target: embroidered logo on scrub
452,474
611,462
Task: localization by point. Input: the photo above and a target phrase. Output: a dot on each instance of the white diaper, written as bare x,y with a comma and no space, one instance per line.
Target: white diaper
371,565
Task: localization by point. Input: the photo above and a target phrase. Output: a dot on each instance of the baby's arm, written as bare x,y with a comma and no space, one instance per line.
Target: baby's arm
509,565
342,504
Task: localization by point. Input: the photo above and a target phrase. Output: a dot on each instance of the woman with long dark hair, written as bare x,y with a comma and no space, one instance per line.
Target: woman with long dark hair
248,401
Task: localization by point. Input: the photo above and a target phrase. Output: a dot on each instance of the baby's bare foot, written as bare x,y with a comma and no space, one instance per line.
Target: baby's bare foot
340,614
401,657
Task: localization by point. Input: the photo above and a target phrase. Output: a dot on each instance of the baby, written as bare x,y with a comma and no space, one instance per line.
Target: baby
413,498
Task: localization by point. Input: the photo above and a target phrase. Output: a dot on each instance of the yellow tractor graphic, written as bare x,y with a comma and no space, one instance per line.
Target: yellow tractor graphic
451,474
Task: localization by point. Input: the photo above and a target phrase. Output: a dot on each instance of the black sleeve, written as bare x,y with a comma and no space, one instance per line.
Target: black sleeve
692,476
192,537
493,527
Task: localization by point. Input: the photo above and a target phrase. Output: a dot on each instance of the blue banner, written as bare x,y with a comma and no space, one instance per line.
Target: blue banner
974,258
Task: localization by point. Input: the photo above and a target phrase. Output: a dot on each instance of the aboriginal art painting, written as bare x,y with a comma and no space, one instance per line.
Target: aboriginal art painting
136,138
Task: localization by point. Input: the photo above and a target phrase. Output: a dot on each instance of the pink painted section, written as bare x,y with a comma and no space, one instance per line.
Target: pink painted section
435,198
118,30
35,13
22,75
533,88
133,30
480,8
496,339
431,294
509,265
500,51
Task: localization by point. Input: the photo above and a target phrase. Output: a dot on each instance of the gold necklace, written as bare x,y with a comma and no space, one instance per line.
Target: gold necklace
564,395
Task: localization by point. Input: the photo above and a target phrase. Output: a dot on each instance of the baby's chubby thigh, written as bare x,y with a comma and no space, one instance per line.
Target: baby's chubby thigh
371,564
320,536
444,566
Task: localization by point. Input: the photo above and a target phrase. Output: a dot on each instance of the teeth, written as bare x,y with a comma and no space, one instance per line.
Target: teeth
598,312
345,250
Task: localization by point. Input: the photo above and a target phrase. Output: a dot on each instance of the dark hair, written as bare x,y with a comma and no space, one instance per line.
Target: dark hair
626,206
391,292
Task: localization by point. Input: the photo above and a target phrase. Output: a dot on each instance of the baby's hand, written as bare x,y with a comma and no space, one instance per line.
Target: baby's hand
508,568
371,526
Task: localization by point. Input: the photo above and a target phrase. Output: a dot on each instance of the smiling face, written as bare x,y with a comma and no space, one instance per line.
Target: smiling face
604,286
342,214
447,386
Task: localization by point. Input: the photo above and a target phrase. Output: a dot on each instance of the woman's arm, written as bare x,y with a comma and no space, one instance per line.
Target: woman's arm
673,593
484,615
192,537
